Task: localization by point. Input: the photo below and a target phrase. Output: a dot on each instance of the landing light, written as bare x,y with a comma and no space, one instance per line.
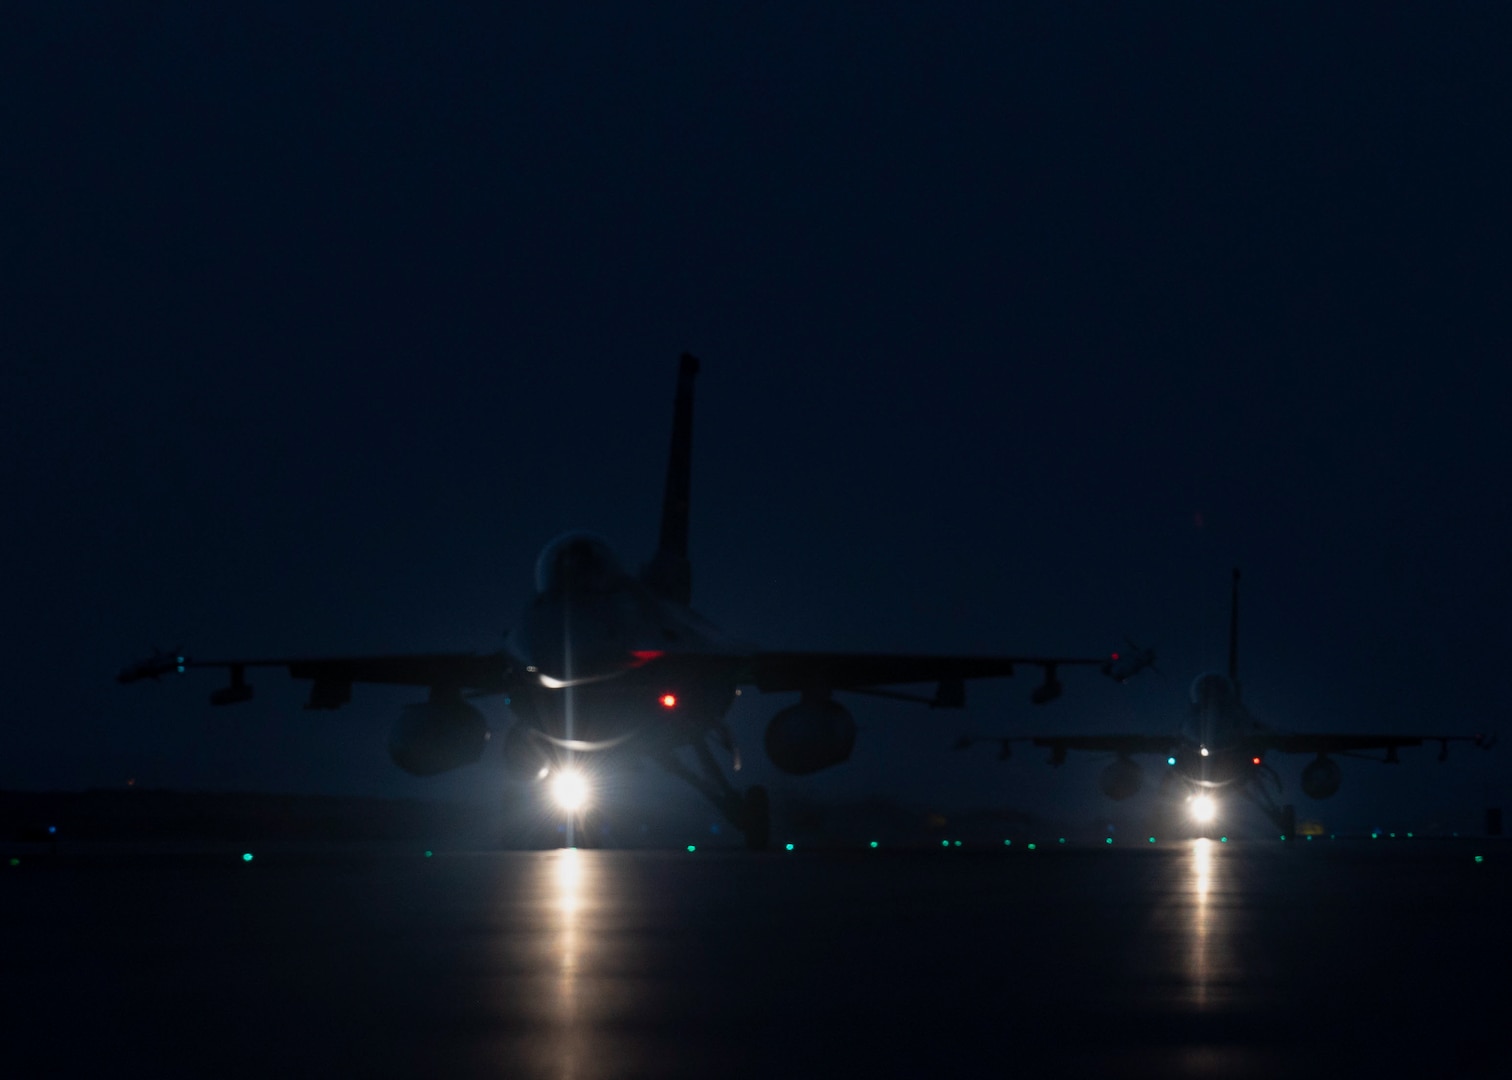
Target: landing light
1204,808
1204,751
570,790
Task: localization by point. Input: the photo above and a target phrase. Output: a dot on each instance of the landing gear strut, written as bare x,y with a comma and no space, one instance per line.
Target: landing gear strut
756,818
1283,815
751,813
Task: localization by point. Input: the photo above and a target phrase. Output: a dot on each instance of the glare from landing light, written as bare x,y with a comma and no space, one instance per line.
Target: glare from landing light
570,790
1204,808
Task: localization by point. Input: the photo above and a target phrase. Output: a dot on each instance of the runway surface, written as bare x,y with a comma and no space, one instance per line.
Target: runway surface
1191,958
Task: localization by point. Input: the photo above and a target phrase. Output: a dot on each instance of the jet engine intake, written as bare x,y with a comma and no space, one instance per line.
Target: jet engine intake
524,756
810,736
1322,777
438,735
1121,779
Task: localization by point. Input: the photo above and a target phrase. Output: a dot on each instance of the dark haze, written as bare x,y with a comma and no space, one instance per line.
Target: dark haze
1020,326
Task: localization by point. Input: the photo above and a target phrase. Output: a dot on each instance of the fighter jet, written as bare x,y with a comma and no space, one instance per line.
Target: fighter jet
1222,748
610,664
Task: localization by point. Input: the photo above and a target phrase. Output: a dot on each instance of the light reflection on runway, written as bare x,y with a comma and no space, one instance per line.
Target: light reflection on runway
570,875
1205,922
1185,959
550,987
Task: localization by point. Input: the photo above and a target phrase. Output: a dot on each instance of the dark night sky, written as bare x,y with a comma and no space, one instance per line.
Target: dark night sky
318,323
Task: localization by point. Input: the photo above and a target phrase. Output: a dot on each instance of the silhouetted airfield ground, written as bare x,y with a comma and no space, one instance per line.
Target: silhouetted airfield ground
1350,957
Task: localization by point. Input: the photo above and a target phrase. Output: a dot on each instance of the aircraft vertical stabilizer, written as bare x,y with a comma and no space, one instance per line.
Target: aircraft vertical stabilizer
669,571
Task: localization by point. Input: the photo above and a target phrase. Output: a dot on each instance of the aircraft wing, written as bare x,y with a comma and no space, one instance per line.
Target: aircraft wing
1285,742
1109,744
332,677
775,672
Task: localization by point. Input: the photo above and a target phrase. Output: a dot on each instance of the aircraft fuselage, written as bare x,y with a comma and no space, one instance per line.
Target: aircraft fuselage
609,662
1214,750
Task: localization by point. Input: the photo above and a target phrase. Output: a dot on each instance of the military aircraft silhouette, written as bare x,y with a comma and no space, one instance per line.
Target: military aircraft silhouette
1222,746
612,664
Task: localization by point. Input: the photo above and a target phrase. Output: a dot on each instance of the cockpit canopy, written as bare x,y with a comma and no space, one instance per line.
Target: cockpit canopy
577,562
1213,691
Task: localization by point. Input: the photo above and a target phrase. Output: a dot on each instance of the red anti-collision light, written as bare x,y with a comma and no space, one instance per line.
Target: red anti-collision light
1255,760
669,701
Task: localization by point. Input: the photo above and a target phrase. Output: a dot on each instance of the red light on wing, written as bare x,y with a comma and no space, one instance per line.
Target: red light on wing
1255,760
644,656
668,701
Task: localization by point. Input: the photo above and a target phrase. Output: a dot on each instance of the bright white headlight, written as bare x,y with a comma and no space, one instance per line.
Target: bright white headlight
570,790
1204,808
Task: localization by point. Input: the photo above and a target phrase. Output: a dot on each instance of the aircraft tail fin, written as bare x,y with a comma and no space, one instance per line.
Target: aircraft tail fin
1233,664
669,571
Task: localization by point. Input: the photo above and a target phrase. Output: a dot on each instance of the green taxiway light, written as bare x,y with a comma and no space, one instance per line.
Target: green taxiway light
247,857
1109,840
429,853
692,847
1170,761
1062,840
1031,847
790,847
1478,858
957,843
874,843
1283,836
1409,836
17,862
1223,839
1007,843
1152,839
